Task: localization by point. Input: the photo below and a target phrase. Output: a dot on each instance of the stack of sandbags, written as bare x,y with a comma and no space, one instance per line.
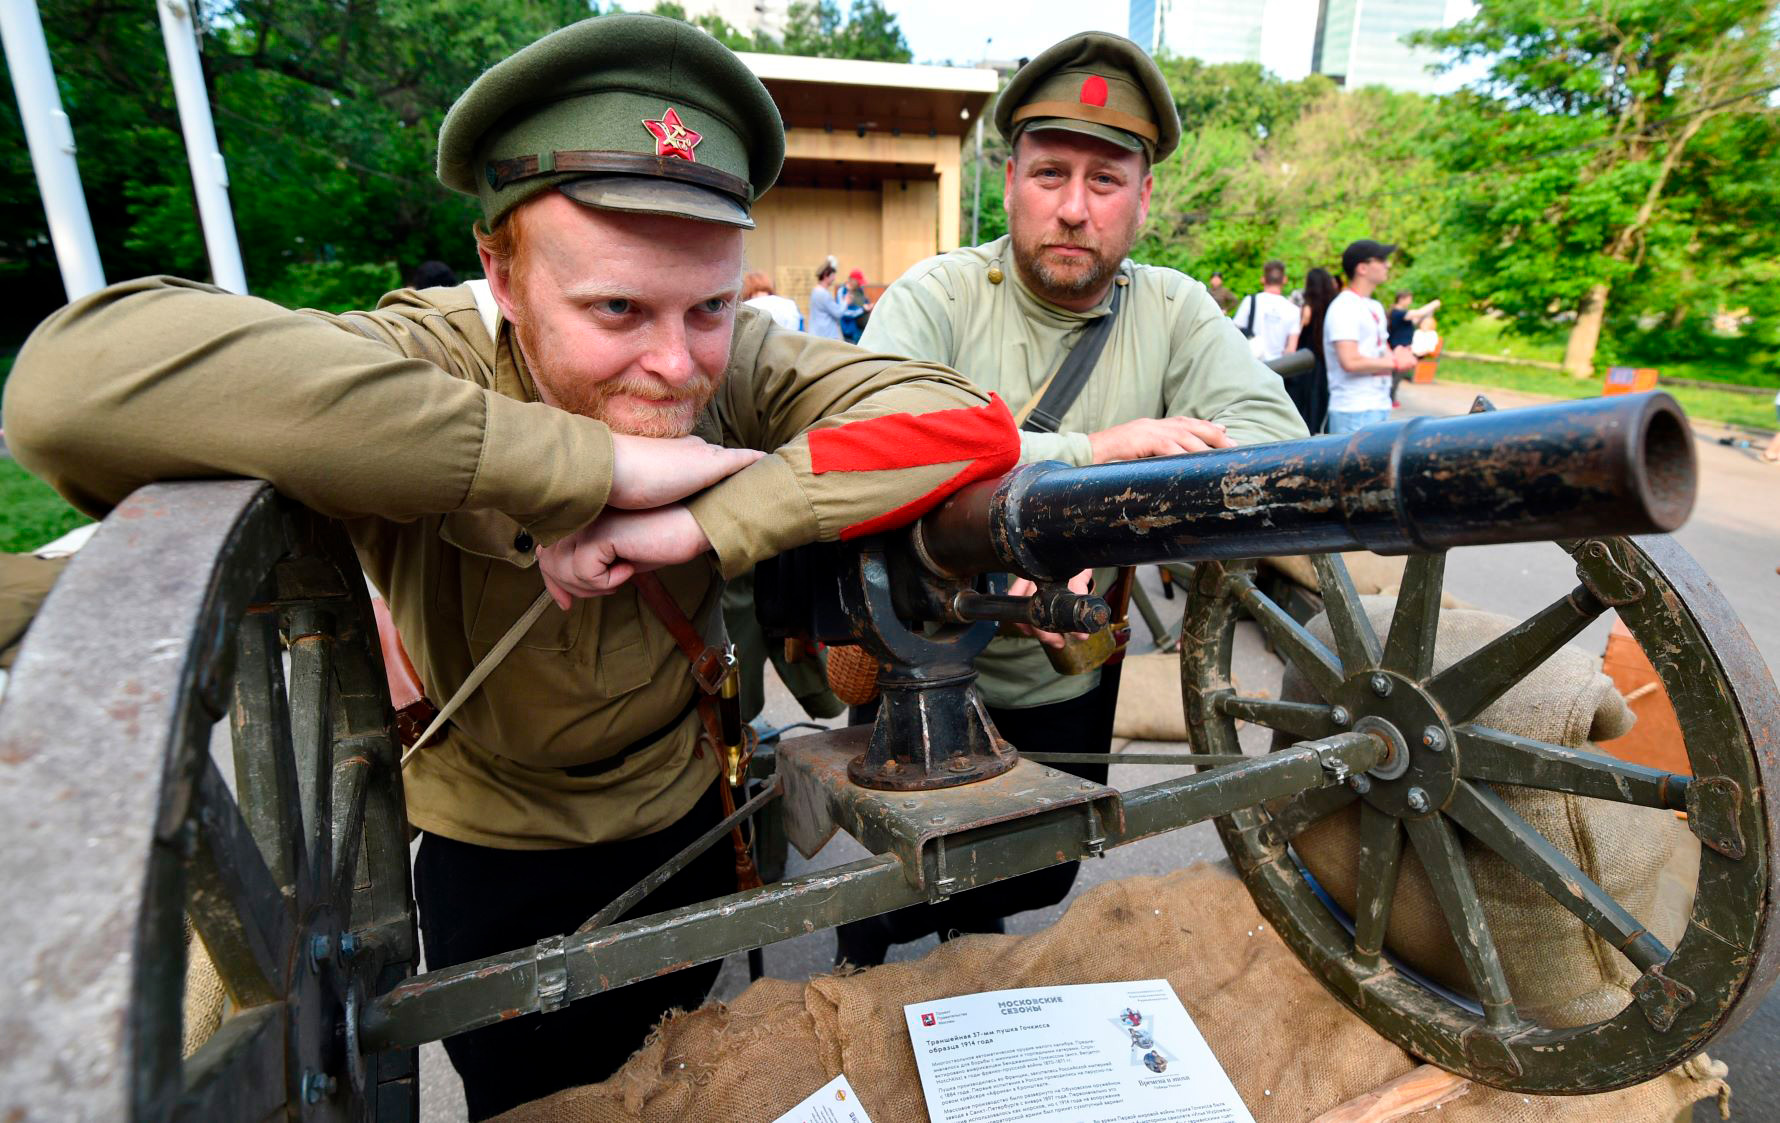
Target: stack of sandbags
1560,973
1292,1050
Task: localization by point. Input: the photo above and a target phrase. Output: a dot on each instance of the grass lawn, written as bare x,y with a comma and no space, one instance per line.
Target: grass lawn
30,512
1756,411
1485,336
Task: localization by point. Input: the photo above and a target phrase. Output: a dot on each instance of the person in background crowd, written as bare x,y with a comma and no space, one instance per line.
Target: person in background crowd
854,307
433,275
825,306
1358,352
1400,327
1226,299
1772,453
1310,392
1268,316
757,292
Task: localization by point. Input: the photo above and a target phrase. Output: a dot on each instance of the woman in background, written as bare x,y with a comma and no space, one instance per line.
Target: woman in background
758,291
1310,392
825,307
854,307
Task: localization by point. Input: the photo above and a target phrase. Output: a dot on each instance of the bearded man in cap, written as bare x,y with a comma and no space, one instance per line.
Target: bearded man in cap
1086,120
598,408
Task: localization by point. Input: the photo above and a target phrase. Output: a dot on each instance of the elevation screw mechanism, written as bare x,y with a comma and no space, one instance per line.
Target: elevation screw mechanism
1417,800
1381,685
1433,739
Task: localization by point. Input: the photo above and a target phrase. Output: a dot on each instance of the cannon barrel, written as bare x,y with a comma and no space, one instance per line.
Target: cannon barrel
1608,466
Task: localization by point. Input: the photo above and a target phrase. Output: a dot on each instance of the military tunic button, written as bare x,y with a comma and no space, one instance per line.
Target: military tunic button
995,274
523,542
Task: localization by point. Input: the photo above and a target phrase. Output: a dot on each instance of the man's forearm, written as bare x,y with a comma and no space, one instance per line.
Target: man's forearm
162,379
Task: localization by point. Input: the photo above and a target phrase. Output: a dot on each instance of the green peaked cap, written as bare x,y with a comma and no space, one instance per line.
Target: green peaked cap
628,112
1098,84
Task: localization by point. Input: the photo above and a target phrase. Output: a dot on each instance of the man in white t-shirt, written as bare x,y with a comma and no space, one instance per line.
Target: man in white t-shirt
1360,359
1268,316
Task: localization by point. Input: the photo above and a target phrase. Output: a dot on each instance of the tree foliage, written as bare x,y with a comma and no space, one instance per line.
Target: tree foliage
327,114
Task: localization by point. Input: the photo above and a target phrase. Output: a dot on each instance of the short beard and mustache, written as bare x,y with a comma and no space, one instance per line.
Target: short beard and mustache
674,410
1073,281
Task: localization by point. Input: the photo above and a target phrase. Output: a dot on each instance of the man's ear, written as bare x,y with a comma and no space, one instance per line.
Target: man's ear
1007,183
499,271
1143,206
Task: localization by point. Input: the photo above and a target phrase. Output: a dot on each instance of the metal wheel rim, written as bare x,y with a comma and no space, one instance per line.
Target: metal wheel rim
1731,949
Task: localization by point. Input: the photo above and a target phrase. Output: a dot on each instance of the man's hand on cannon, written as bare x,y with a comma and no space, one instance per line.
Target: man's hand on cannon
608,551
1082,582
650,471
1153,436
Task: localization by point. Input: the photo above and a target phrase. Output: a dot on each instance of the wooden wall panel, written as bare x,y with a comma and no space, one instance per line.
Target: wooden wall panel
910,225
796,227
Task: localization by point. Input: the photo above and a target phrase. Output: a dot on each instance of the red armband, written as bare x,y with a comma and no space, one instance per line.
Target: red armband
984,436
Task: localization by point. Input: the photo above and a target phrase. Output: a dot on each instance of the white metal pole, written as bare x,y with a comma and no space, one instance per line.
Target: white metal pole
51,140
210,178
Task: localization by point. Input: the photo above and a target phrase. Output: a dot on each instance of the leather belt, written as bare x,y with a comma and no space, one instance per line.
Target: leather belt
653,737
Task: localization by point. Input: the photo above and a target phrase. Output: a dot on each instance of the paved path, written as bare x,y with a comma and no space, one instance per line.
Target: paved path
1734,533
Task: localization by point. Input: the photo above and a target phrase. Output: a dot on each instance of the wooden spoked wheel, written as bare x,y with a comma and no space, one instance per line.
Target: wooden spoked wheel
180,617
1443,782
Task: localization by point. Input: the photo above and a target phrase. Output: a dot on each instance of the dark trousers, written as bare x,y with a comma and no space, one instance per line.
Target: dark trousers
1079,725
477,901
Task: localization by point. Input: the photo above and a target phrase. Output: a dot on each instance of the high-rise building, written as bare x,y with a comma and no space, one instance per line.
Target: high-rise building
1277,34
1360,42
1145,23
1356,42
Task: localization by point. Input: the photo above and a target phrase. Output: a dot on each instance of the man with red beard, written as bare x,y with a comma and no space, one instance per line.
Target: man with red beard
1086,120
599,407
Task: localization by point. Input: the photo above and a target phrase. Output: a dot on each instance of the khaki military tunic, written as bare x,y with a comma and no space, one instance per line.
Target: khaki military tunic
425,433
1172,353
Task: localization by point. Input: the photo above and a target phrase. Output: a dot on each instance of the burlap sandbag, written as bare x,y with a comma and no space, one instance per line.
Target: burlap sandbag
1371,573
205,997
1292,1050
1559,972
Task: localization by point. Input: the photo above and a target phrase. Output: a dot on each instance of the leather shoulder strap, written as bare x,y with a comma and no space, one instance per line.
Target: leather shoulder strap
1062,389
709,663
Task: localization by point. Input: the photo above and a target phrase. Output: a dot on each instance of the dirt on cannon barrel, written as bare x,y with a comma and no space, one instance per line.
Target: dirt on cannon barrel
1292,1050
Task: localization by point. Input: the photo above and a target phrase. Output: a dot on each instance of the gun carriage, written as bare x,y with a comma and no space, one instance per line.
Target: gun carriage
221,613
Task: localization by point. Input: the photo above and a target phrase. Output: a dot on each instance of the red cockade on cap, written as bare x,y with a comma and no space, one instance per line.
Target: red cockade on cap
985,436
1094,91
673,138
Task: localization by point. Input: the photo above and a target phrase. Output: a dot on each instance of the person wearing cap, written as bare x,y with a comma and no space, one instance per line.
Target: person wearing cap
1086,119
599,406
1356,343
854,306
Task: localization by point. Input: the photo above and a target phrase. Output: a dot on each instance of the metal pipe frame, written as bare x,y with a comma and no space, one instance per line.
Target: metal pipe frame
469,995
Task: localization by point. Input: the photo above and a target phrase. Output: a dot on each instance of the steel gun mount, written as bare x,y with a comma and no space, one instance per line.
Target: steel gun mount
1620,465
212,617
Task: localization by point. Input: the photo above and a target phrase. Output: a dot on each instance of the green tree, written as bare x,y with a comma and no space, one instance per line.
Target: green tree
327,114
867,31
1597,110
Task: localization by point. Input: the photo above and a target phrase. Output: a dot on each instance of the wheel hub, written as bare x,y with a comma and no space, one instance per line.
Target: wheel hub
1420,771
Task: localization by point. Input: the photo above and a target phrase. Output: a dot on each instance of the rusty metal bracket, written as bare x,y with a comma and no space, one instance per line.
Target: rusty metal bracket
913,826
1603,576
1661,998
1714,804
553,974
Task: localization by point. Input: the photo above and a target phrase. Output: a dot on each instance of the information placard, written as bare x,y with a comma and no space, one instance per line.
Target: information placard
834,1102
1094,1053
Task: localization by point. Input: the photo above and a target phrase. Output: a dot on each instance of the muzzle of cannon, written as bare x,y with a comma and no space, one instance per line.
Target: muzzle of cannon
1622,465
1613,466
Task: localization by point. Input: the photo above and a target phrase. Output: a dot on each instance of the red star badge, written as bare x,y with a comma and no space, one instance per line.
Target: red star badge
673,138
